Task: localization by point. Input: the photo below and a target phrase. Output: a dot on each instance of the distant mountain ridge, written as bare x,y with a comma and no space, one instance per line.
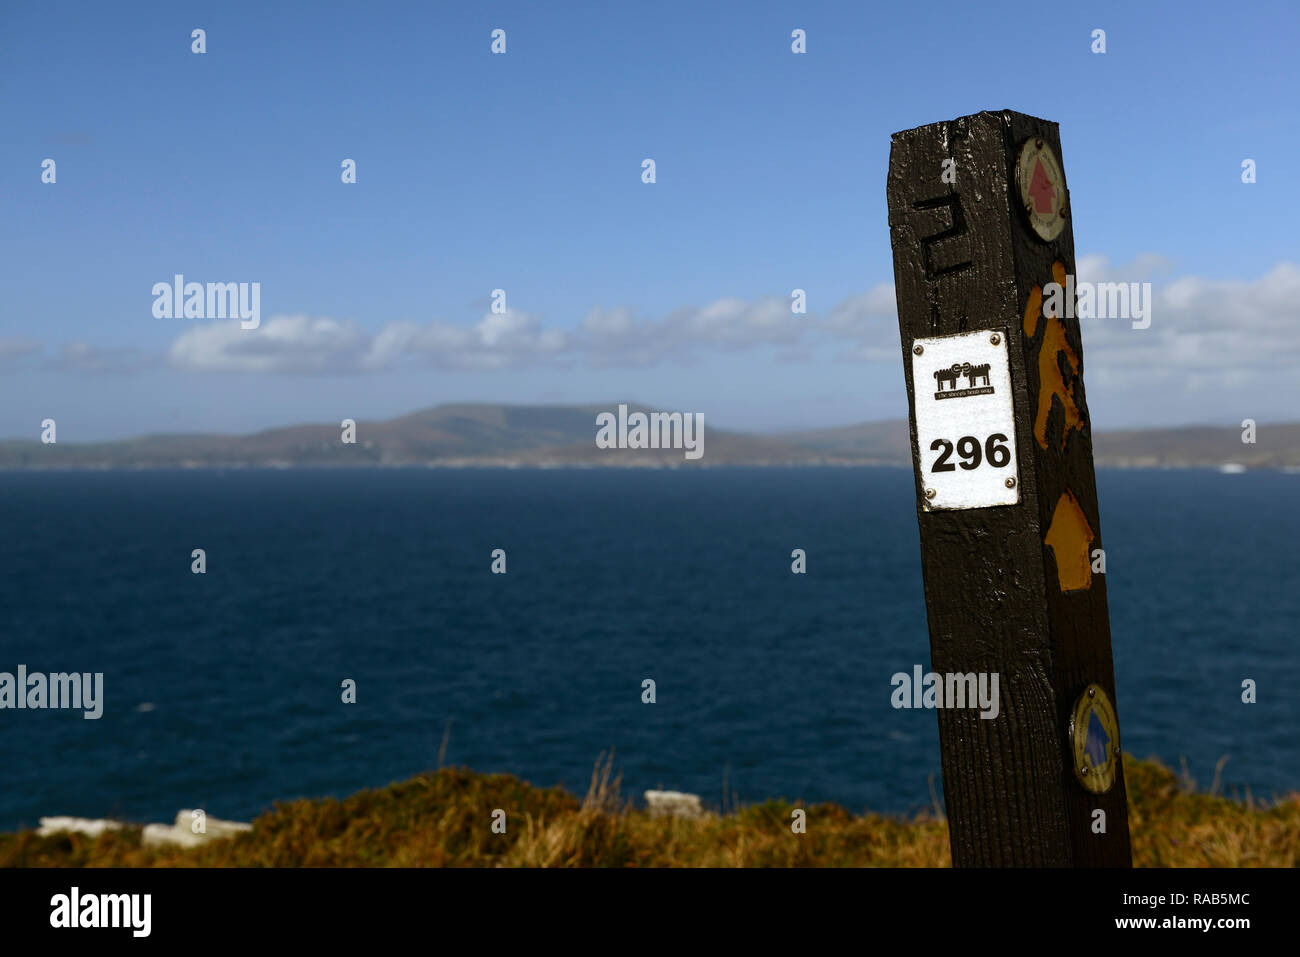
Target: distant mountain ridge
466,434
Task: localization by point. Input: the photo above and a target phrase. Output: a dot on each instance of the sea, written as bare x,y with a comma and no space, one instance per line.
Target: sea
225,690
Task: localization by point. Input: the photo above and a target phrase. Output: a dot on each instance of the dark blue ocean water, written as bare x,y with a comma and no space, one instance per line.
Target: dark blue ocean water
223,690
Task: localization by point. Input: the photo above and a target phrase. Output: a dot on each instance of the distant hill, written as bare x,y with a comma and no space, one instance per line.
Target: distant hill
555,435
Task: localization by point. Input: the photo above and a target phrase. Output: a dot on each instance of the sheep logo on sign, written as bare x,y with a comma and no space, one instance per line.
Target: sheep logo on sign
956,371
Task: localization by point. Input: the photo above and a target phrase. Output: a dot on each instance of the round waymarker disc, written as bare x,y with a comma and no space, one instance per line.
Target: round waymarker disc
1042,188
1094,740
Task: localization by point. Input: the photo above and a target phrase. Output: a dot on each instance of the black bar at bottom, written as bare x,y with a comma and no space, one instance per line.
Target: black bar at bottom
331,907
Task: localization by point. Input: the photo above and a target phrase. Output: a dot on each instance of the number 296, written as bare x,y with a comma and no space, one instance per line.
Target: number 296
968,448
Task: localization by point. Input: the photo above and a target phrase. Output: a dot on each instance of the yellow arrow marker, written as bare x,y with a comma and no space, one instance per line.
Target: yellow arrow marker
1069,538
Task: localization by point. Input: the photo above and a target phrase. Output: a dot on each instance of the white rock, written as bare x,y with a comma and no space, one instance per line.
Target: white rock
181,834
165,835
75,825
673,804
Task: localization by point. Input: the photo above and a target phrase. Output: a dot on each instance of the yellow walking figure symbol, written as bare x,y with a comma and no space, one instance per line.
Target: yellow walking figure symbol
1069,535
1051,380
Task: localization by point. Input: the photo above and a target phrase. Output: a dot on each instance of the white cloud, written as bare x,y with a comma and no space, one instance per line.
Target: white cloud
619,337
83,357
1204,333
870,320
15,348
281,344
497,341
307,344
1142,268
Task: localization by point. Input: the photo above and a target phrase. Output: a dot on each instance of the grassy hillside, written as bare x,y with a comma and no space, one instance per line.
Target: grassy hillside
443,819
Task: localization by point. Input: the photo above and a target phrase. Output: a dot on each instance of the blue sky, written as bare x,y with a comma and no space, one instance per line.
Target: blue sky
522,172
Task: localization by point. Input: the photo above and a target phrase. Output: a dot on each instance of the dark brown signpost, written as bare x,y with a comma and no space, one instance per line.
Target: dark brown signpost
979,220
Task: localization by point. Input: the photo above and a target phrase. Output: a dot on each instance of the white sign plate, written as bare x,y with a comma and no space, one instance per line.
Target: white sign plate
965,424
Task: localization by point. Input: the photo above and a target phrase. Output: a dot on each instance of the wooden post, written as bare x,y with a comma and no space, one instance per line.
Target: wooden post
980,224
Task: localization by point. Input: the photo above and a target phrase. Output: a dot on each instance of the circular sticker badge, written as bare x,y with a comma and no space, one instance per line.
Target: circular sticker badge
1094,740
1042,188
